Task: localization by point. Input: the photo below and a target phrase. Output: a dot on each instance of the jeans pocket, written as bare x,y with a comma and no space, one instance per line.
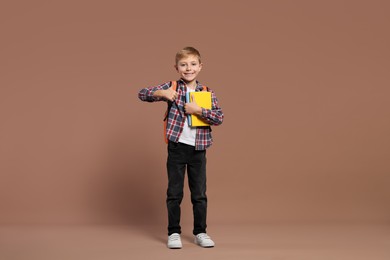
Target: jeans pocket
172,145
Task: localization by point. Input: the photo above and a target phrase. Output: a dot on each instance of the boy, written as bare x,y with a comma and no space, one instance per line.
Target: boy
186,145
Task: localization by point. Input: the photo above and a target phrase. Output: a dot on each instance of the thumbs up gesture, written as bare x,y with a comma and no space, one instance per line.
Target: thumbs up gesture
193,108
170,94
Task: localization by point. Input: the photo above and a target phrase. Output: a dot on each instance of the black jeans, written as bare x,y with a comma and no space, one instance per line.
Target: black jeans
180,157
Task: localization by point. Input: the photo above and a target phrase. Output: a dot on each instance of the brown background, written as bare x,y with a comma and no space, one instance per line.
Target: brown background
304,86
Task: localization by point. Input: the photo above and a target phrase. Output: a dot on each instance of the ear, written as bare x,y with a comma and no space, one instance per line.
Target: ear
200,66
176,68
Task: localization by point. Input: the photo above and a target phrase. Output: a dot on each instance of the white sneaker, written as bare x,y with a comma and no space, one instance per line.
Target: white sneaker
203,240
174,241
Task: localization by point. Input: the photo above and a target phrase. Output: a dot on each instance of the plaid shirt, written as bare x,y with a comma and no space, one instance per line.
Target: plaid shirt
177,116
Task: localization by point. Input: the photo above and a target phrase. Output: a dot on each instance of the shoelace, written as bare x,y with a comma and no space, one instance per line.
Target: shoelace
203,236
174,237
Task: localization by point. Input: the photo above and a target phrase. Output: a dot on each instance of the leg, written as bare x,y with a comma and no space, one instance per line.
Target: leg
176,171
197,182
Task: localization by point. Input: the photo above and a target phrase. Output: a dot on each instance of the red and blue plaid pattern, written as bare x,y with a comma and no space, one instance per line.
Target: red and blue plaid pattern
177,116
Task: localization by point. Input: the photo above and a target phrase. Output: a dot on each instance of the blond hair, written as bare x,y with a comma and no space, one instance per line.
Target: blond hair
185,52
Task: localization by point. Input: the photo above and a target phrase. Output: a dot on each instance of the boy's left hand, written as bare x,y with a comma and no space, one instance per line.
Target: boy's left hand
193,108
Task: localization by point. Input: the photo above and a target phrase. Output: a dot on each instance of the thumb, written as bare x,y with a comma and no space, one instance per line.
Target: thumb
193,98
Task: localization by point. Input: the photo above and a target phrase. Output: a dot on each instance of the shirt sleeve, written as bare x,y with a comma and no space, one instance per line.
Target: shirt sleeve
146,94
213,116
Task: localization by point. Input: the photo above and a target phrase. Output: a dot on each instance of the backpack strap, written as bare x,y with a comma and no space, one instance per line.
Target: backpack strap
173,85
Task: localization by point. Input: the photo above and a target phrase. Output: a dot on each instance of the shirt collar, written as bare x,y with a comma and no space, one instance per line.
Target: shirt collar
198,85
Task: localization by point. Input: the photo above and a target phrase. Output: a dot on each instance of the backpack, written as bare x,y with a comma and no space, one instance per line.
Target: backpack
174,87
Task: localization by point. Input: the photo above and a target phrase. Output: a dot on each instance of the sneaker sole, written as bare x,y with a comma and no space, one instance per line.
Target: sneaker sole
174,247
203,246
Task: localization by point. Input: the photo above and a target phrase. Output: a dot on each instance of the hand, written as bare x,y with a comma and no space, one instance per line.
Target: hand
168,94
192,107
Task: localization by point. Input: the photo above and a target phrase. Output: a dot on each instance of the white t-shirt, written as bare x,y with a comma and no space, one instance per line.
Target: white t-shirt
189,133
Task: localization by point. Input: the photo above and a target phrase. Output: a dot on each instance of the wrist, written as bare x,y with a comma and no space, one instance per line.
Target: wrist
157,94
199,112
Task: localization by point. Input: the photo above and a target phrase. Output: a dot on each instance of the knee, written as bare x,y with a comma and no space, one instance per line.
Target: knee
199,198
174,194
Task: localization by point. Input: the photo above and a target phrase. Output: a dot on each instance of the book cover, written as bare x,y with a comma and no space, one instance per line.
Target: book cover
203,99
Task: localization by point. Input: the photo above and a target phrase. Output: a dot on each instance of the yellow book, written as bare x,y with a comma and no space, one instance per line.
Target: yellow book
203,99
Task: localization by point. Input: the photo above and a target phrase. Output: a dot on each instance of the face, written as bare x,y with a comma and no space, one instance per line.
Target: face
188,68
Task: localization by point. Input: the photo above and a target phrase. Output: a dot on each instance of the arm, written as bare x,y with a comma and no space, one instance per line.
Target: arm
161,92
213,116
